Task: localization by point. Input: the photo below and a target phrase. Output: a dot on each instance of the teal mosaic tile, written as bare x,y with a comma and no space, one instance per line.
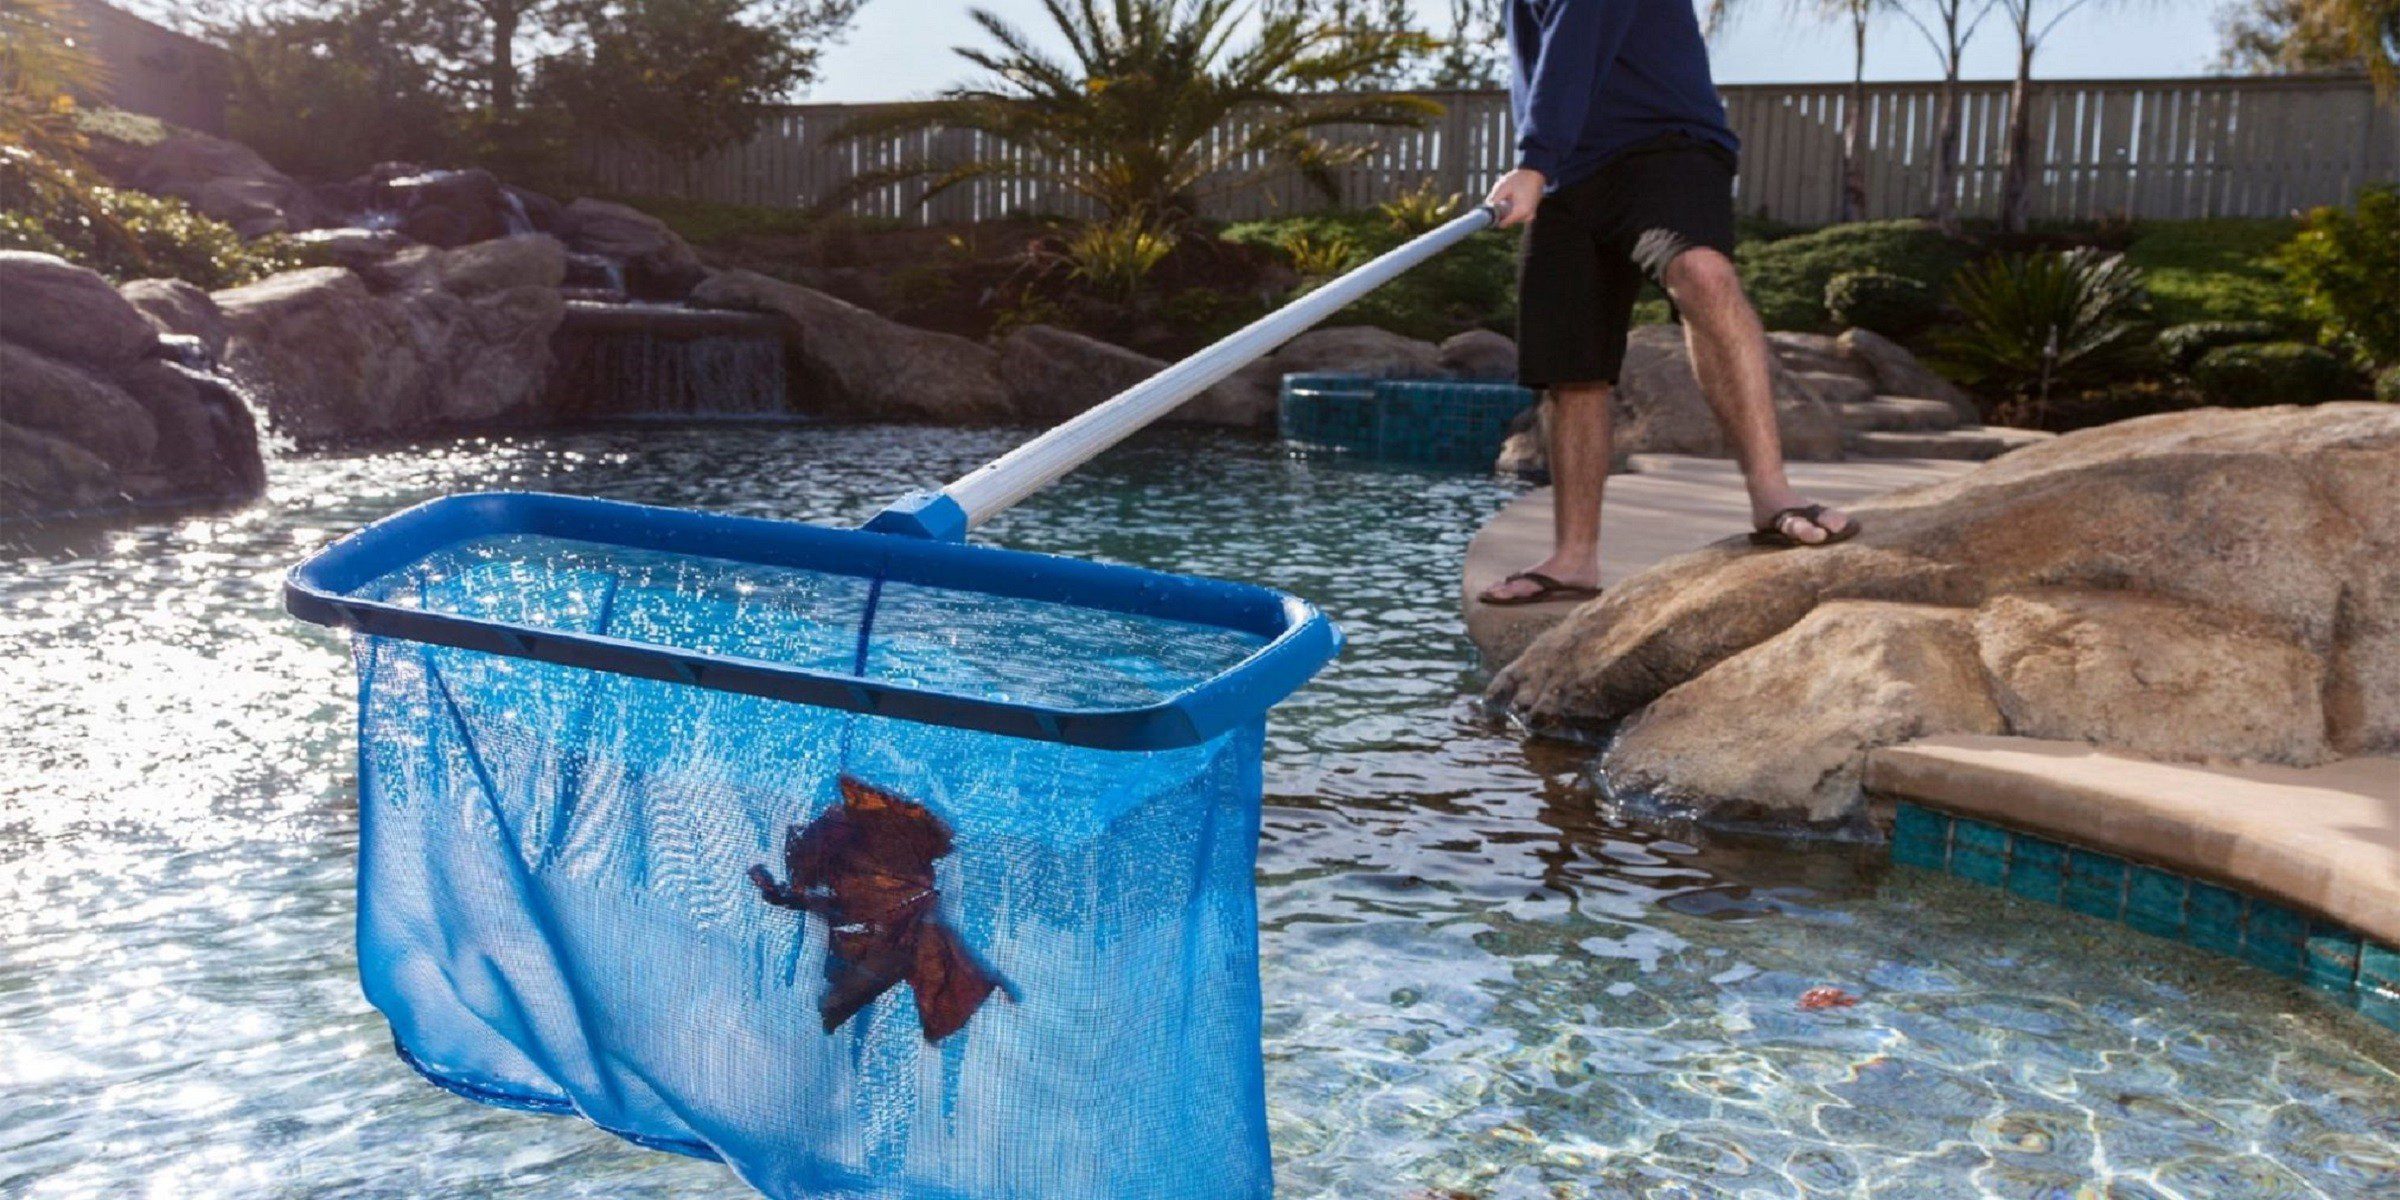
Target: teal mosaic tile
2037,869
2378,967
2213,918
1442,423
1920,837
2095,884
2276,938
1979,852
2380,1006
2331,962
2154,901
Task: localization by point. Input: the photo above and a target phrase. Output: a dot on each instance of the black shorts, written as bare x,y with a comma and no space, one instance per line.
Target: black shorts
1593,243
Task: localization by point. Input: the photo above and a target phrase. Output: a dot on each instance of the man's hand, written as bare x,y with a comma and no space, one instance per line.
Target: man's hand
1516,196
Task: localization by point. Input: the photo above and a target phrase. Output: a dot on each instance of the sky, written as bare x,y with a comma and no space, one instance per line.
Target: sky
900,49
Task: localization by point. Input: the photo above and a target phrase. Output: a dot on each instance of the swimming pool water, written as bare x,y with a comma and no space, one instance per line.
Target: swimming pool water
1475,982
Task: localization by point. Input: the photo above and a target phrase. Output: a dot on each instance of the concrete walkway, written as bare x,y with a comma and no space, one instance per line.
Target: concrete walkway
2324,840
1671,504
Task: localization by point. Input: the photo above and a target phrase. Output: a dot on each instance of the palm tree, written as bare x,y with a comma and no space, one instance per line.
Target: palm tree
1137,119
1947,25
2033,21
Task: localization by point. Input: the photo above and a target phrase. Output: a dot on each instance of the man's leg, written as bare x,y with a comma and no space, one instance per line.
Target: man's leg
1730,357
1580,450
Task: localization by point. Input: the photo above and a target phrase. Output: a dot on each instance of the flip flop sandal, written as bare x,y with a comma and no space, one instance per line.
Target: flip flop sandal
1551,591
1772,534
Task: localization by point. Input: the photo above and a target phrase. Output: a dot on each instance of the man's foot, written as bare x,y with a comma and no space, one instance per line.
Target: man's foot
1544,584
1803,524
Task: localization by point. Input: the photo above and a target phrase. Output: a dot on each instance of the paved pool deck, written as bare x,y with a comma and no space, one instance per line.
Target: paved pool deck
2324,840
1670,504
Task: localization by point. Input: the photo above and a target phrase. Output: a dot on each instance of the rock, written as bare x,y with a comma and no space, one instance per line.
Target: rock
865,366
42,476
2250,530
541,212
48,396
1818,354
1835,390
1848,678
207,447
659,265
1359,350
1480,354
67,312
176,307
449,208
1053,373
1525,452
532,260
1896,372
331,359
2138,673
219,178
1661,410
357,249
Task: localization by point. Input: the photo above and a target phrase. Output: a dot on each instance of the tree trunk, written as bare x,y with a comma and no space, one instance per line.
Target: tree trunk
1945,153
1854,127
2017,167
503,73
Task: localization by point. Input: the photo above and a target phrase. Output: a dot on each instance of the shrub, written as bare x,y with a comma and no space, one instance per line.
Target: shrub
2273,373
1419,209
2033,325
1892,305
2387,385
1787,278
2341,266
1115,255
2217,270
2183,345
1472,286
126,234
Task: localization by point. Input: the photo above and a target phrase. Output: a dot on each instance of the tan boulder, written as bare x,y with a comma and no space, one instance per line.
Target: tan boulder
1660,408
45,476
67,312
1052,374
658,263
1818,354
2137,673
530,260
866,366
1780,731
1480,354
1896,372
71,403
2265,533
176,306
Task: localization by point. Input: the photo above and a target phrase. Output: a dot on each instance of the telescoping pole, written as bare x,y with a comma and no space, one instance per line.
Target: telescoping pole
992,488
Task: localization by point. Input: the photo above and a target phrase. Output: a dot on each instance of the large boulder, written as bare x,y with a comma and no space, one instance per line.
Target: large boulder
462,339
1479,354
219,178
861,365
1818,354
1896,372
1360,350
2161,583
92,415
447,208
658,263
1660,408
178,307
64,311
1054,373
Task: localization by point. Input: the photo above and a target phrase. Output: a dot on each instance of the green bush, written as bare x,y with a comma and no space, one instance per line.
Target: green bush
2342,266
1892,305
2217,270
2387,385
2273,373
126,234
2036,325
2182,345
1472,286
1787,278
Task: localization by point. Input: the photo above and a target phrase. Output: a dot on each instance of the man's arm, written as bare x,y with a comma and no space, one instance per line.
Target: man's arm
1579,41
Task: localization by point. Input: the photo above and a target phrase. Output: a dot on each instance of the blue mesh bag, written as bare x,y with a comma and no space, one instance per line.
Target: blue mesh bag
871,862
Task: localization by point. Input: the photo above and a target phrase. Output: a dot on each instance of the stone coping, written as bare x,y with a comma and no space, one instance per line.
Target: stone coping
1670,504
2323,840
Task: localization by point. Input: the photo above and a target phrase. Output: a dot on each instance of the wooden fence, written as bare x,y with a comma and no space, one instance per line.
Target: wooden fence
2151,148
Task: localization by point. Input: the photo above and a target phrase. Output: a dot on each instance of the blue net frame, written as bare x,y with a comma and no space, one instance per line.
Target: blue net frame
849,953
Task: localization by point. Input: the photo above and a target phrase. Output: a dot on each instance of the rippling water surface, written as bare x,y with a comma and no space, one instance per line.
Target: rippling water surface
1475,984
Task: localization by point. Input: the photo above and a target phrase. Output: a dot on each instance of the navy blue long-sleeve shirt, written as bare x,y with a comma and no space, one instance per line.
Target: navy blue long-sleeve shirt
1595,77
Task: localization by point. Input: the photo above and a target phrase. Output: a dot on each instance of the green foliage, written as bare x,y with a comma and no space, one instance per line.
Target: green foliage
2387,385
329,92
2272,373
2182,345
42,66
2342,266
125,234
1471,286
1892,305
1114,256
1419,209
2033,325
1786,278
685,77
1318,255
2216,270
1137,107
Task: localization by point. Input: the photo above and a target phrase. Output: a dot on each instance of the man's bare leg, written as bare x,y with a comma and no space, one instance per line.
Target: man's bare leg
1580,450
1730,357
